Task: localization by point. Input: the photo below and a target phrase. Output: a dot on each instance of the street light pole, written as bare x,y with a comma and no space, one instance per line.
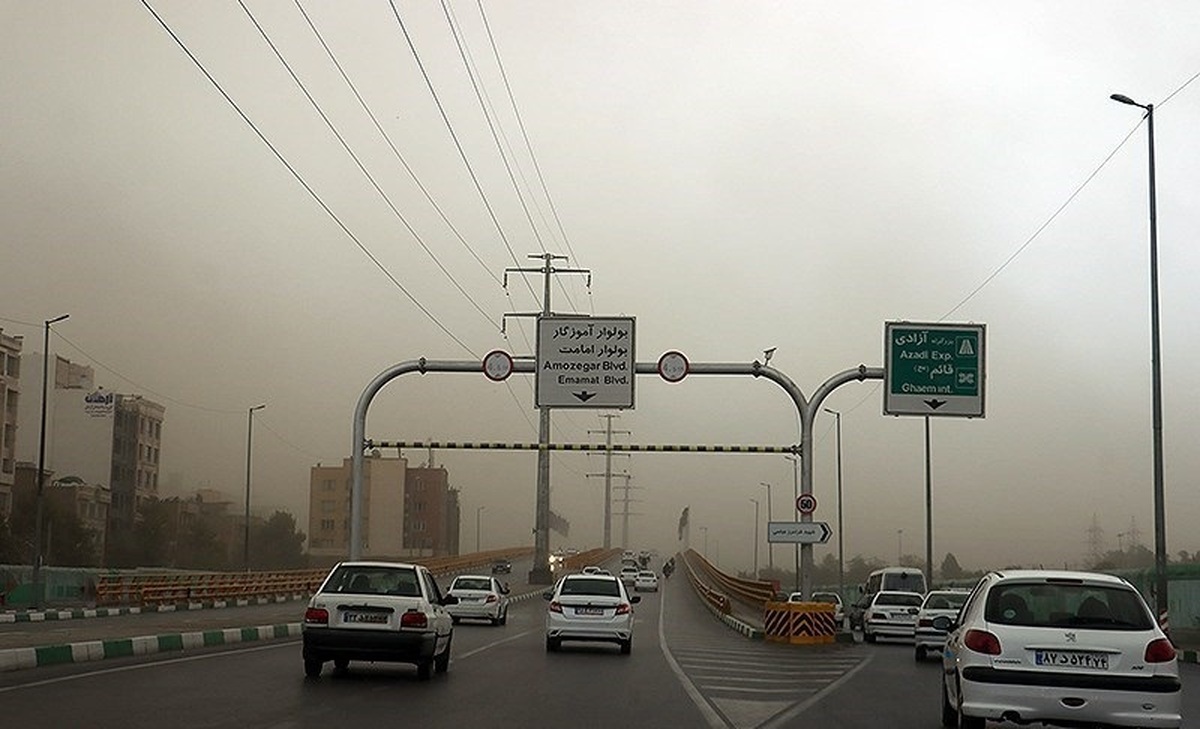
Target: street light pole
478,511
246,533
770,555
899,547
755,538
39,496
796,497
841,543
705,530
1160,516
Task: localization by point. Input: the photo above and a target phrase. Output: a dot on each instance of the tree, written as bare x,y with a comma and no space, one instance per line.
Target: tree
277,544
950,569
198,545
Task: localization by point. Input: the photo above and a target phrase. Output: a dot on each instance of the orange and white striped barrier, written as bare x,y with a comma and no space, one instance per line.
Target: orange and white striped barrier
799,623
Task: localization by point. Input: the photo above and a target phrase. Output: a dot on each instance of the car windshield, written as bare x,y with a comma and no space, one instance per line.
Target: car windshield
589,586
825,597
1067,604
374,580
471,583
885,598
945,600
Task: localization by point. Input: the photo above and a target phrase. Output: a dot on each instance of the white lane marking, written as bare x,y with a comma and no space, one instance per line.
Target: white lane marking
706,710
491,645
140,666
784,718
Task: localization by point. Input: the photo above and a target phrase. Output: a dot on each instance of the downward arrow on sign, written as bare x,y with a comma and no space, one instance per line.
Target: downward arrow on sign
584,395
935,404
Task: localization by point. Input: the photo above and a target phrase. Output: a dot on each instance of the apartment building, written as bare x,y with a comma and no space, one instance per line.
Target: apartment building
10,394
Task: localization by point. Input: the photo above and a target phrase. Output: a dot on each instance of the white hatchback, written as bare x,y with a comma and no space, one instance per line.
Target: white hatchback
1059,648
593,608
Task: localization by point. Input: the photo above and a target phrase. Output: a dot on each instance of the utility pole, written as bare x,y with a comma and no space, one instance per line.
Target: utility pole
625,512
608,474
541,574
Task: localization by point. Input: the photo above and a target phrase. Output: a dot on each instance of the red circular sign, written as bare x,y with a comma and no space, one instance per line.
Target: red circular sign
806,503
497,365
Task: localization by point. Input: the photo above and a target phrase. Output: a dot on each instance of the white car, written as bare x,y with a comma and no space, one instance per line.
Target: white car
592,569
629,575
590,608
1058,648
645,581
938,604
481,597
378,611
891,614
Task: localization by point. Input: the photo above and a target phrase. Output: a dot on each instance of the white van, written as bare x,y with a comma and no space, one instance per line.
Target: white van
907,579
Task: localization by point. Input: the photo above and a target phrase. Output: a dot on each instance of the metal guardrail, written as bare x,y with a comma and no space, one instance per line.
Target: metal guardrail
753,592
161,588
597,557
716,599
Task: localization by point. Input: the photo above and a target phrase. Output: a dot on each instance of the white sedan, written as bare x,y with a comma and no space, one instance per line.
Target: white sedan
481,597
646,581
590,608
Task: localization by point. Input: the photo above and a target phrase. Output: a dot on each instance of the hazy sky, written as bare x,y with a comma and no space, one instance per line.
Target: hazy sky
736,175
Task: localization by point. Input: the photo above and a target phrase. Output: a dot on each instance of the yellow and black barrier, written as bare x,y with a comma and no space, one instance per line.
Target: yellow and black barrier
799,623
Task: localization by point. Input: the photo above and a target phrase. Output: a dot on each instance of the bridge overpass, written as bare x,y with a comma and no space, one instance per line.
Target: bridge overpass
687,669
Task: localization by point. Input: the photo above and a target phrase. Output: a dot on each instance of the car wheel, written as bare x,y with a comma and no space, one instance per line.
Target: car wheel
441,663
425,669
341,664
949,715
867,636
968,722
626,647
504,617
552,644
312,667
919,653
454,619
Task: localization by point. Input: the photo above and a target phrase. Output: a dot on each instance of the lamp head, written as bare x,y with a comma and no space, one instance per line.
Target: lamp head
1123,99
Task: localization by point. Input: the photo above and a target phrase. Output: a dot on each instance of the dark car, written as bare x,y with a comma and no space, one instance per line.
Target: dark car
501,567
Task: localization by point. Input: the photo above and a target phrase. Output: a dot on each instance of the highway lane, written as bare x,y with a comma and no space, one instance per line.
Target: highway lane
708,676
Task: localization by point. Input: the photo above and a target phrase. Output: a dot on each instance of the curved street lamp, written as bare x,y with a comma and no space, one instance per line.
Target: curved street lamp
40,497
246,535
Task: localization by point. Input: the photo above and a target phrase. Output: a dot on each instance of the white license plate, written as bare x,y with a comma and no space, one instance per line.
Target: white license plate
366,617
589,611
1072,659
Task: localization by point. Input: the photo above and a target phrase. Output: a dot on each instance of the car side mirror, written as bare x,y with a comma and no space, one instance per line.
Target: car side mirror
635,598
449,600
913,610
505,588
944,623
548,594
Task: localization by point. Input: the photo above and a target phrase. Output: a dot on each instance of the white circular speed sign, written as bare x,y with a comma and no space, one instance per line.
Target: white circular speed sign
673,366
497,365
806,503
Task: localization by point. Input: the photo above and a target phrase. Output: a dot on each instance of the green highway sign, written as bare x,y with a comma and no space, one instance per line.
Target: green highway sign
934,369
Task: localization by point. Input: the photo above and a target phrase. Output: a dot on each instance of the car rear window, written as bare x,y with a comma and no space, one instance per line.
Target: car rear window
374,580
588,586
471,583
909,600
1067,605
945,601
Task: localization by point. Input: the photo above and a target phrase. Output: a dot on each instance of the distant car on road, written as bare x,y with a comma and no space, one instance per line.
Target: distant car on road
501,567
481,597
590,608
646,580
1059,648
831,598
378,611
938,603
891,614
629,575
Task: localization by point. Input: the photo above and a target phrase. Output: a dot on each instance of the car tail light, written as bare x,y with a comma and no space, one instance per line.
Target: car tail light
623,608
925,622
982,641
492,598
556,606
320,616
414,619
1160,650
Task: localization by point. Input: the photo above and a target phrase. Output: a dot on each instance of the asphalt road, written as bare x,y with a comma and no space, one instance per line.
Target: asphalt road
686,670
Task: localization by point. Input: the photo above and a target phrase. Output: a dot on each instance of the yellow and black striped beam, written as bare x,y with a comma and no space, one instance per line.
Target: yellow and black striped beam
627,448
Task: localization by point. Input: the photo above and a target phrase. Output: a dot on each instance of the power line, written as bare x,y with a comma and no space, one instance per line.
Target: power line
361,167
387,138
303,183
457,144
485,105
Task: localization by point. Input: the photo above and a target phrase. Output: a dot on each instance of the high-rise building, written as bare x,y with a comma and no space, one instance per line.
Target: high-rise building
10,391
136,445
431,512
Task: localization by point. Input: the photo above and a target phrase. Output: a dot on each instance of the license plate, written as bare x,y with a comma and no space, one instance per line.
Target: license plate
366,618
1071,659
589,611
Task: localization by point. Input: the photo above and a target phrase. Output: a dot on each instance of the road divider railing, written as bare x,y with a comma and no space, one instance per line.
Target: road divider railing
799,623
160,588
716,600
753,592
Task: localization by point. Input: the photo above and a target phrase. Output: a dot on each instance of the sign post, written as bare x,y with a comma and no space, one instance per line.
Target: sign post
934,369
